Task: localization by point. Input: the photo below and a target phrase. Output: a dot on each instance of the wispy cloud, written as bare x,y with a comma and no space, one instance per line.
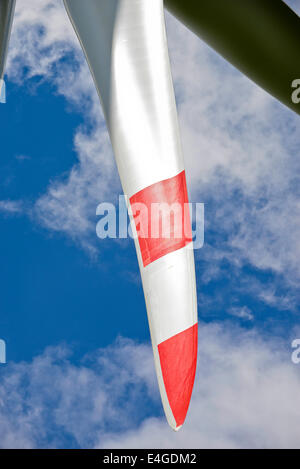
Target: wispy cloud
294,4
50,401
243,313
22,157
44,45
241,153
246,396
11,207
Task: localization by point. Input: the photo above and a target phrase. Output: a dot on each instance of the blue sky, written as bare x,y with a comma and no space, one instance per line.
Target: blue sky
54,291
80,370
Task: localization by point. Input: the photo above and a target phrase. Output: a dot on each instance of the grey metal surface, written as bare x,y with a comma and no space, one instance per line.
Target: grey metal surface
7,8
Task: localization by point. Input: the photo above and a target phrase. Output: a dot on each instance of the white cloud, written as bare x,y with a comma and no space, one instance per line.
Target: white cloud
294,4
70,205
11,207
241,153
47,401
246,396
42,36
23,158
244,313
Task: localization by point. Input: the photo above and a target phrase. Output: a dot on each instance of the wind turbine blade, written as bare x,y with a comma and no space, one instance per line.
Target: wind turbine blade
259,37
126,47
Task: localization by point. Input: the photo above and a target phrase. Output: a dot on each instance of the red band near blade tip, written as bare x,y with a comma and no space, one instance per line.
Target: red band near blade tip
178,359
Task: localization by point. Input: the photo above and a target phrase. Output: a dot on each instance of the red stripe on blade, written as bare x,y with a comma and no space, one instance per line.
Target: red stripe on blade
178,359
162,217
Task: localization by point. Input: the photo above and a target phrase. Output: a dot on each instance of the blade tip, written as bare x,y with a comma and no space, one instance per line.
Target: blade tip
176,429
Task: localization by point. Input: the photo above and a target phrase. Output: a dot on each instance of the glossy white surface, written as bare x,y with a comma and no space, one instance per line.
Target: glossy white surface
170,292
126,47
